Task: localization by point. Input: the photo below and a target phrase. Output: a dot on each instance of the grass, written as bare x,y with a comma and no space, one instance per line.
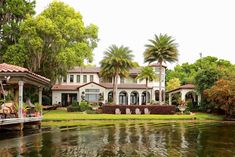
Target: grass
59,115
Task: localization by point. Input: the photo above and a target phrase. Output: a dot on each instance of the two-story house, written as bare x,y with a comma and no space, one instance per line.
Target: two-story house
86,83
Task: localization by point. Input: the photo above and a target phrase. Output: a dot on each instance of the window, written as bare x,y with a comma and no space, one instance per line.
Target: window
91,78
92,95
78,78
65,79
134,80
92,90
122,80
84,78
71,78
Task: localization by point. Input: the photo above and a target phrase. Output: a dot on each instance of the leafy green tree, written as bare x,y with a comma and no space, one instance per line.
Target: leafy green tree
54,41
148,74
117,61
12,13
206,78
173,84
161,49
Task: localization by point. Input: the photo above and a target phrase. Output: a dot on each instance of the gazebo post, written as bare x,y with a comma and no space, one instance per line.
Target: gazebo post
170,97
183,94
199,99
21,88
40,95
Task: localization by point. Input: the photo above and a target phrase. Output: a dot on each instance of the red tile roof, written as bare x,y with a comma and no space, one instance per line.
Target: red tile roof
85,70
97,70
186,86
59,87
65,87
9,68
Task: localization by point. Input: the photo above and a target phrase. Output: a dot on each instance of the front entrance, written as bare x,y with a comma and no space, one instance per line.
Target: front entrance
68,99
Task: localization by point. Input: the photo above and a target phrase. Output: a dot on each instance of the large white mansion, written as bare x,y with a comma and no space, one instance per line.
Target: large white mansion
86,83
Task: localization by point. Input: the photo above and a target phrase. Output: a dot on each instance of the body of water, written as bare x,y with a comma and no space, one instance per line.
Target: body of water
173,139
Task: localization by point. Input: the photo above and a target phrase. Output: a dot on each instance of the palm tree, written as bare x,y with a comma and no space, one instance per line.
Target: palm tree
117,61
147,73
161,49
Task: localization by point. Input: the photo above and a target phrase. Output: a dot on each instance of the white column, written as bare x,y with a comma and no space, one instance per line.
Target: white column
170,98
129,98
199,99
21,86
40,95
140,98
183,95
117,97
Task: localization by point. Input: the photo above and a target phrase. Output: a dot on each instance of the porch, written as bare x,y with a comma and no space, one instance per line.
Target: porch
14,114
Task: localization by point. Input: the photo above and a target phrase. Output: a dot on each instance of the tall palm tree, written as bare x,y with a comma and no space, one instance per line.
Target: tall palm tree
161,49
117,61
148,74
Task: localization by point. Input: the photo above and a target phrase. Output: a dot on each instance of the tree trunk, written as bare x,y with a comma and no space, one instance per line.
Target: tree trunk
146,91
115,90
160,84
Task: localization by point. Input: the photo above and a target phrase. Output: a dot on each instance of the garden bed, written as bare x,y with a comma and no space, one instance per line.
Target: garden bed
153,109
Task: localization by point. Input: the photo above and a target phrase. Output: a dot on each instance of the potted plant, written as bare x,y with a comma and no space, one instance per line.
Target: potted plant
25,109
182,106
38,109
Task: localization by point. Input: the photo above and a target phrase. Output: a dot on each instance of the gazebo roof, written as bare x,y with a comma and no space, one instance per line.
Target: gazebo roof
18,73
186,86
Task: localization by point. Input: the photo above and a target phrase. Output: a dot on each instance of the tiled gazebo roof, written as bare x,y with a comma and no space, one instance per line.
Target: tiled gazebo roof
17,71
186,86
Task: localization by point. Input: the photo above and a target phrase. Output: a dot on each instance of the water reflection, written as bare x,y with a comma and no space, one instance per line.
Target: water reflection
124,139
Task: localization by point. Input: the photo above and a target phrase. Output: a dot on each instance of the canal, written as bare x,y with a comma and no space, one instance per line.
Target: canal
189,139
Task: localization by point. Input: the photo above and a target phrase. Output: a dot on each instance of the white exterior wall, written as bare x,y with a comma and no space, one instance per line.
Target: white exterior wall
90,86
95,78
56,95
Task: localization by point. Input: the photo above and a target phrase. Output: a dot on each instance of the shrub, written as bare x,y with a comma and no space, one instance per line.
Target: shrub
72,108
75,103
84,106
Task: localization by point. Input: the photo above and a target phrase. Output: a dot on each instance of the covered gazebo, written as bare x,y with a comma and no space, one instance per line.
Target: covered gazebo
18,77
184,90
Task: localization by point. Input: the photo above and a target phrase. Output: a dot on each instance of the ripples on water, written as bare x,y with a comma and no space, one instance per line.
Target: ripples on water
124,139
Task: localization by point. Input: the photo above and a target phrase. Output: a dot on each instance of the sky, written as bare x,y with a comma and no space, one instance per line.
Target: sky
198,26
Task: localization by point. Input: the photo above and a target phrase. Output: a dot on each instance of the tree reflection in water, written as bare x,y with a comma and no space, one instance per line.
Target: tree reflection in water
125,139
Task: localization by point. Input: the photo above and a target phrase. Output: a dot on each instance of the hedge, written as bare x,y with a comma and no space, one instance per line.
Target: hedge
154,109
73,108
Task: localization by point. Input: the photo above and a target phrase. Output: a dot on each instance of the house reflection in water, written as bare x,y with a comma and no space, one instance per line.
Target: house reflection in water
126,139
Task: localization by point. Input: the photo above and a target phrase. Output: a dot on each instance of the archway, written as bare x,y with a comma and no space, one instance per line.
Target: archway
156,95
191,98
134,98
110,96
123,98
144,98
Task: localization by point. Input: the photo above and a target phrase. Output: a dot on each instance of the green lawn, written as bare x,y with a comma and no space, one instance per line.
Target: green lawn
59,115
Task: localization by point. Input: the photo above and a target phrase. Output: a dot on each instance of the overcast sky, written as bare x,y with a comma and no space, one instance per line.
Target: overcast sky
198,26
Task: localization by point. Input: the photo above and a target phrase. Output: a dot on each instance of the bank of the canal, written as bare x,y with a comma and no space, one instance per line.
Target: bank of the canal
60,115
